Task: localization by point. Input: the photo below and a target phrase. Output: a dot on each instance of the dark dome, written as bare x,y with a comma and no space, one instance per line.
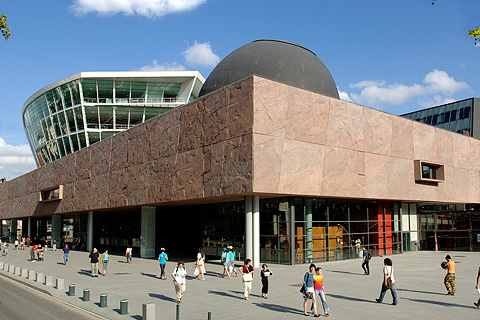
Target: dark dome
276,60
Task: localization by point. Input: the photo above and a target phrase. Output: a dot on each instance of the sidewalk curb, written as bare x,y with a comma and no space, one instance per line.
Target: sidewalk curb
48,294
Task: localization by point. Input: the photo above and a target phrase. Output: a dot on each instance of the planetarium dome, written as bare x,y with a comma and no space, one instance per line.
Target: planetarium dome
277,60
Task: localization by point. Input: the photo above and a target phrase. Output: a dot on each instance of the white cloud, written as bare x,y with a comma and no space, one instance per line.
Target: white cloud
147,8
15,160
163,67
437,86
344,95
200,54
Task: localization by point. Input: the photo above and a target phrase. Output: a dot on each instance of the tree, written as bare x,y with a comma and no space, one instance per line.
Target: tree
4,27
475,34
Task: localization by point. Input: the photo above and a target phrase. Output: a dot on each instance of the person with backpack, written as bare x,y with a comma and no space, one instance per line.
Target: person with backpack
388,282
366,261
179,274
231,261
308,291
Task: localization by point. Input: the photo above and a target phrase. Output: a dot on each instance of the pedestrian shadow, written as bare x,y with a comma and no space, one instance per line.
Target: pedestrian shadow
190,277
148,275
121,261
161,297
278,308
84,272
225,294
241,293
338,296
440,303
61,263
213,274
347,272
419,291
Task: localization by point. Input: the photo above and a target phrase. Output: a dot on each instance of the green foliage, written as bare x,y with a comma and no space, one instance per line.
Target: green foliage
4,27
475,34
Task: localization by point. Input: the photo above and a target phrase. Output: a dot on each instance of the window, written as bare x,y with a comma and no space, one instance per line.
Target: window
51,194
429,171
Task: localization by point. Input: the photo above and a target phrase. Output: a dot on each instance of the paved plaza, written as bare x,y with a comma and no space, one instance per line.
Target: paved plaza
350,294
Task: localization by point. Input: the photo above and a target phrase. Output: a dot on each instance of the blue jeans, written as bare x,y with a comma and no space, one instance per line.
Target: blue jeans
65,258
321,294
162,269
393,291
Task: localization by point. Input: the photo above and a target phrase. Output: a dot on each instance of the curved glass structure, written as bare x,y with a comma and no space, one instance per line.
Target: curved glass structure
87,107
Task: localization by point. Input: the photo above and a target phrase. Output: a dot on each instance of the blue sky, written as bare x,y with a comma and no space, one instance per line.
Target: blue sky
396,56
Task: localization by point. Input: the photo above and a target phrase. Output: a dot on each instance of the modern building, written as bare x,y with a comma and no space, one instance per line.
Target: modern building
267,159
460,116
75,112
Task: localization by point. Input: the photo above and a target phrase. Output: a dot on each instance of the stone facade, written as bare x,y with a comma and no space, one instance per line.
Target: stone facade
254,137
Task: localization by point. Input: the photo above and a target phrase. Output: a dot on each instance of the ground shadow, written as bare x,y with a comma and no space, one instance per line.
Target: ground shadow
241,293
213,274
148,275
419,291
61,263
440,303
162,297
84,272
278,308
337,296
190,277
137,317
225,294
347,272
121,261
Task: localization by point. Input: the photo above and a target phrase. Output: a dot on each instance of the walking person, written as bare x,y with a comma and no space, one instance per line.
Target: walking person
5,247
128,254
54,245
231,261
225,263
65,254
16,244
320,290
179,281
162,258
200,263
308,291
45,247
265,274
33,253
93,259
104,259
388,282
449,279
366,261
28,242
477,304
247,274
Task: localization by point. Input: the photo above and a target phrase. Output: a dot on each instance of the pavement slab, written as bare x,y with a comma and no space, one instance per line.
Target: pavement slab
349,293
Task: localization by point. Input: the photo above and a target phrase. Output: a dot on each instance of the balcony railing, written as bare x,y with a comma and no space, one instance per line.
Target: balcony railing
175,100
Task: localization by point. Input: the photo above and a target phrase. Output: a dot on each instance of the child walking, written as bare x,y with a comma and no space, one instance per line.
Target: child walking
265,273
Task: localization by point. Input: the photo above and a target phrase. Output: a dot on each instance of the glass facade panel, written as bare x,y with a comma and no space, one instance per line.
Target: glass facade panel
106,117
138,92
89,88
91,114
105,91
67,98
122,91
122,115
93,137
136,116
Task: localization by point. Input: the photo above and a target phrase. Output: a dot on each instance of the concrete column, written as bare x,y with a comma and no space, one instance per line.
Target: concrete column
90,231
248,227
13,230
256,231
147,235
308,231
57,228
292,239
29,228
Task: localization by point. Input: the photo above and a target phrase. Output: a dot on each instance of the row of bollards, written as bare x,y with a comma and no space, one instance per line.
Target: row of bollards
148,309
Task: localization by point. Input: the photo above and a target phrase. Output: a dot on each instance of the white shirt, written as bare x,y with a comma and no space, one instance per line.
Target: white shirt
178,273
199,258
388,270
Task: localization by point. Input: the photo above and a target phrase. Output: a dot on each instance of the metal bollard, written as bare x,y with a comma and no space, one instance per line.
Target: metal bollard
86,294
71,290
178,312
103,300
209,315
124,306
148,311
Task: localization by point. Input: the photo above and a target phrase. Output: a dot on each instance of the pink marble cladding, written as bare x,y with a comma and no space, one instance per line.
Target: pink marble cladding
199,150
312,145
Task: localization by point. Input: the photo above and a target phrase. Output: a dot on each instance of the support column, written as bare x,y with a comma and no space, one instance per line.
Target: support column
256,232
29,228
292,240
248,227
308,231
147,233
90,231
13,230
57,229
